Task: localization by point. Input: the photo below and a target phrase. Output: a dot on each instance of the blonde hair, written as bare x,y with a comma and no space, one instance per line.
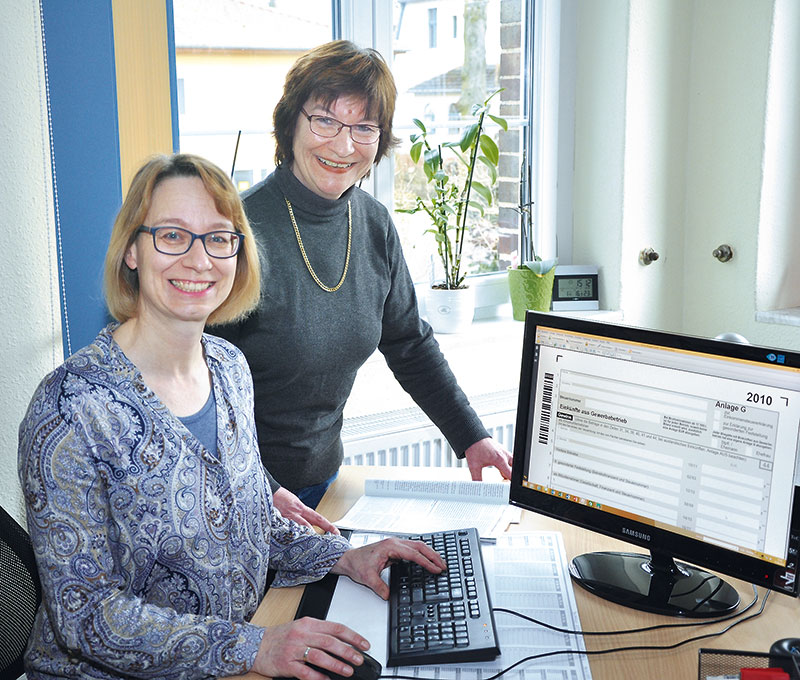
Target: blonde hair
121,283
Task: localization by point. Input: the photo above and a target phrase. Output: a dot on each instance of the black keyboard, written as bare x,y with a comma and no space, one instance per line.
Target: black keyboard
445,618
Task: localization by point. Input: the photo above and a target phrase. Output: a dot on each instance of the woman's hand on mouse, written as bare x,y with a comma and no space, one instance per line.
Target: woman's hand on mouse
286,650
364,565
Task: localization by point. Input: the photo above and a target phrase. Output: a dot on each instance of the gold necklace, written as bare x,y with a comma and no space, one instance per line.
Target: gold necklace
305,257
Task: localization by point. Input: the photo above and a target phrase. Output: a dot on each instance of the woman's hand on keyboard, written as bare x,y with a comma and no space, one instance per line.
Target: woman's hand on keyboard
364,565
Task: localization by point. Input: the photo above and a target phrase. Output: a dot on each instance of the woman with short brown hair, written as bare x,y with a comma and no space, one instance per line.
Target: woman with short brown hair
335,285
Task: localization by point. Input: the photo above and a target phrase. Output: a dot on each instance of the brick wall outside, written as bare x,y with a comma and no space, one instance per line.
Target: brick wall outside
510,77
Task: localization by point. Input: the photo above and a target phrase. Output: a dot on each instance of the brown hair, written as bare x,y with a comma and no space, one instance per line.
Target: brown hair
121,283
333,70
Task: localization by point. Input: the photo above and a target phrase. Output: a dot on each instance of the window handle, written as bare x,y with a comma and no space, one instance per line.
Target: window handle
723,253
647,256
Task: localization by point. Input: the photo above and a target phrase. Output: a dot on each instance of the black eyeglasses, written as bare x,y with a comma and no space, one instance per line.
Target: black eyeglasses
325,126
177,241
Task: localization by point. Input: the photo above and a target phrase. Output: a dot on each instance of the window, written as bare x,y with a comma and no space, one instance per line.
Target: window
243,179
181,97
440,86
232,57
432,27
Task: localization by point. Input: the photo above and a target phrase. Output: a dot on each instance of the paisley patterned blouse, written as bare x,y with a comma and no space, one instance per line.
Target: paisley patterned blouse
153,553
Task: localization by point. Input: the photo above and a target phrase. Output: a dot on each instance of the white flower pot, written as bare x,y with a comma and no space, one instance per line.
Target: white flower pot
450,311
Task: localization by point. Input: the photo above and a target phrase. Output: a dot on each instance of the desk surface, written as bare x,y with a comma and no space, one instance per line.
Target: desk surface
781,617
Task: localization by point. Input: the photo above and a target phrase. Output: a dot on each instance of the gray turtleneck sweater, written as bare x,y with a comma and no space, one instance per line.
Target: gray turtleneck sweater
305,345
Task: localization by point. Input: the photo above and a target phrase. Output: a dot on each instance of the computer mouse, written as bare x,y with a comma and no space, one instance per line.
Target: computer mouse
785,647
369,670
781,654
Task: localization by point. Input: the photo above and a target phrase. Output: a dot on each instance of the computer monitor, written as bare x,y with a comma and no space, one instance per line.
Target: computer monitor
682,445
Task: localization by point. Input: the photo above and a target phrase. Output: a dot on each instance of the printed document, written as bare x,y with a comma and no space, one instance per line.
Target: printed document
398,506
526,572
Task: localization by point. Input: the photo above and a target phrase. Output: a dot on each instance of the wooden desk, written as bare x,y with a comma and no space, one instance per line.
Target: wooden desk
781,617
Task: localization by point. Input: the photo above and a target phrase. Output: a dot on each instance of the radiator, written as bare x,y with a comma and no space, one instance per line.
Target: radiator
407,437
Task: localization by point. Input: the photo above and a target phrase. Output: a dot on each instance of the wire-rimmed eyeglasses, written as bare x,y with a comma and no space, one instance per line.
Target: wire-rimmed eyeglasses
325,126
177,241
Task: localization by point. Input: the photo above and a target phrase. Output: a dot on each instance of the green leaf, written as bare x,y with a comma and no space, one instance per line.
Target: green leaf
496,92
420,125
454,147
416,150
489,148
540,266
492,168
431,163
432,157
468,137
478,206
500,121
483,191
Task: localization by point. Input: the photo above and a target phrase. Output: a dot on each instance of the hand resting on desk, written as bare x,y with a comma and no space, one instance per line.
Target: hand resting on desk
285,649
487,453
291,507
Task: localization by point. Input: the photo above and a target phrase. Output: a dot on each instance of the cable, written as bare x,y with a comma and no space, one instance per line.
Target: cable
631,648
659,626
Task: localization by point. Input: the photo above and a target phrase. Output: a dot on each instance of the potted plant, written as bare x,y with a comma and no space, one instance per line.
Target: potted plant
530,283
450,202
530,286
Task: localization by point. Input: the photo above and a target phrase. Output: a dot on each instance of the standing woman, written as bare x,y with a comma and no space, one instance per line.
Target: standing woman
335,285
147,503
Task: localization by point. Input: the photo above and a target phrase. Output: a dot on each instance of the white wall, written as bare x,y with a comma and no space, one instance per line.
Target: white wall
655,151
602,52
686,137
731,44
30,340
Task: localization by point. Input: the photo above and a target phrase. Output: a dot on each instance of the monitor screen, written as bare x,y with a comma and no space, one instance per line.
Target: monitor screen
685,446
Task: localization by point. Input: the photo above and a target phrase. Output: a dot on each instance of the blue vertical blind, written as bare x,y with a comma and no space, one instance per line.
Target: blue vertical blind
78,40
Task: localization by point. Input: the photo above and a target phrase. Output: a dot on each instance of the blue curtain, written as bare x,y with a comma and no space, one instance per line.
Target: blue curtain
79,54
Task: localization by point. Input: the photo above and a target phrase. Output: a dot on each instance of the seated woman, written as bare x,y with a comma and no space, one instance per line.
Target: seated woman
149,509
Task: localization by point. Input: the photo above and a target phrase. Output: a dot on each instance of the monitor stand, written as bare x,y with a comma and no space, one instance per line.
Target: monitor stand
654,583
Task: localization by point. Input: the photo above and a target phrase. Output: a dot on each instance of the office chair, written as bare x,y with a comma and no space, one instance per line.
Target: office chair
20,595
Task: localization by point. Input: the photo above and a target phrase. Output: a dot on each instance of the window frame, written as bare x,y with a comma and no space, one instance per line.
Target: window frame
369,23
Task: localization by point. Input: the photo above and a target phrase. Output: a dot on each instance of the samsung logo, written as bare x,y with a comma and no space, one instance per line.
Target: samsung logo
636,534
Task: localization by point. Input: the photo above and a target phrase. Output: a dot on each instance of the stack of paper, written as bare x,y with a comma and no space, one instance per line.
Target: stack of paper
417,507
527,573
